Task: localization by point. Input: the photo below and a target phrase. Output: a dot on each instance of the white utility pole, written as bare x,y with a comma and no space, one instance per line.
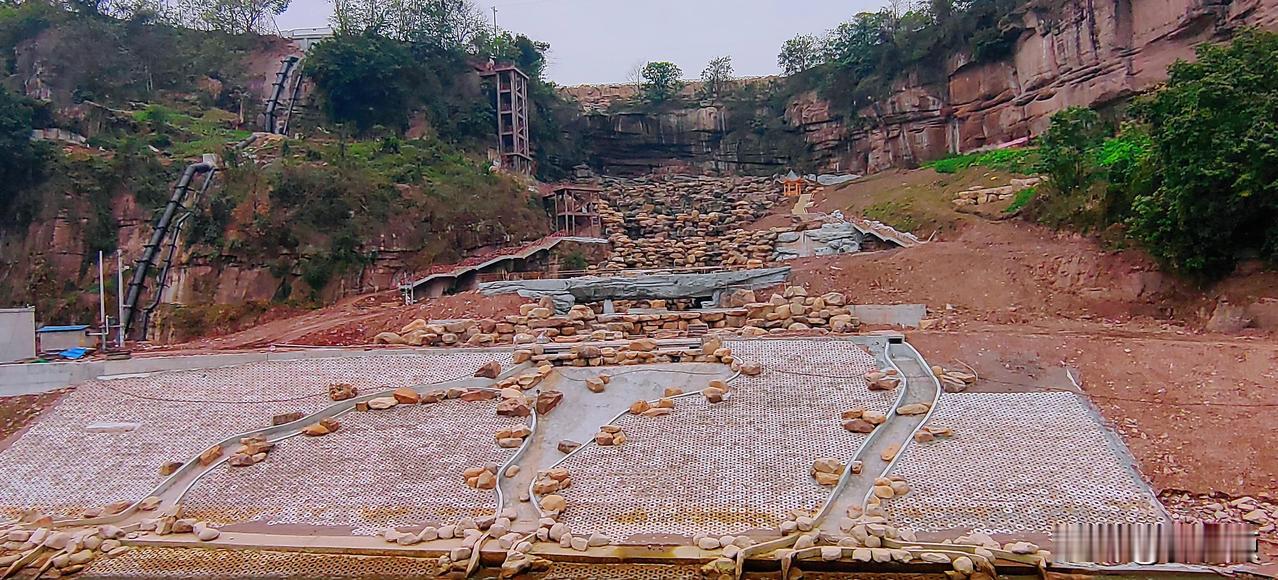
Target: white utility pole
102,301
119,293
495,32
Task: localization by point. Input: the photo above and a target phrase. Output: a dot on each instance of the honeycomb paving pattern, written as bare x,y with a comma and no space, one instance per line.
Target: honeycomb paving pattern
151,562
732,467
401,467
1019,462
63,467
573,571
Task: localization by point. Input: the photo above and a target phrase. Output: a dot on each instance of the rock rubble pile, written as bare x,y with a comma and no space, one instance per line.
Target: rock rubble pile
791,310
683,221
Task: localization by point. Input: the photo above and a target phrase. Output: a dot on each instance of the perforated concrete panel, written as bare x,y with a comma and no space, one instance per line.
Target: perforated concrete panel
735,466
402,466
570,571
1019,462
200,563
63,468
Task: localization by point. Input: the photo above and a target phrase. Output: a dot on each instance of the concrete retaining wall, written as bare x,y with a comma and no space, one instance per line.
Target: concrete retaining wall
17,334
907,315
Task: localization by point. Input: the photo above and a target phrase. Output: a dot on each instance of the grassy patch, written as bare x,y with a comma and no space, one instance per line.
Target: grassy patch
1020,161
185,135
1023,197
896,213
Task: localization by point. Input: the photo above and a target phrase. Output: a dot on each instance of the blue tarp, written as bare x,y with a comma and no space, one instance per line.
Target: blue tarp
67,328
74,353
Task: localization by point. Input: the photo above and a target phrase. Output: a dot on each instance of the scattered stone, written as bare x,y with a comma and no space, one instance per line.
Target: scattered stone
548,400
489,370
206,533
913,409
406,396
567,446
286,418
169,468
858,426
517,407
1021,548
640,407
714,394
554,503
595,384
963,565
827,471
211,455
342,391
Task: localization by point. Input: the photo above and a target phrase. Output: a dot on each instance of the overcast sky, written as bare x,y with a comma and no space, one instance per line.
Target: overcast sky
598,41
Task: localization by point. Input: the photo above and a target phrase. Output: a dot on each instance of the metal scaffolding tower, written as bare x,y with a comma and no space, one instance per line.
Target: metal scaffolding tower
512,117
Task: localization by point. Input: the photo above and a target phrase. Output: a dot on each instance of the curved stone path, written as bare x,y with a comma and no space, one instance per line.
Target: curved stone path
918,386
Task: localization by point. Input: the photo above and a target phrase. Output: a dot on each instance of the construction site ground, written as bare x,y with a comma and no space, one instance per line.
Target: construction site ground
1030,310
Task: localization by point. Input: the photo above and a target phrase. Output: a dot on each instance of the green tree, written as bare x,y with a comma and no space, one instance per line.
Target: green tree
363,79
1067,150
1215,133
717,76
236,16
857,46
661,81
799,54
22,163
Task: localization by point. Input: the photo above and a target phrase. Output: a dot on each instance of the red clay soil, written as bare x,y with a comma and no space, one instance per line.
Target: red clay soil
18,412
355,321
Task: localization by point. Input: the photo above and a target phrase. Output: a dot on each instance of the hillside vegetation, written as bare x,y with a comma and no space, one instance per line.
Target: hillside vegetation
408,174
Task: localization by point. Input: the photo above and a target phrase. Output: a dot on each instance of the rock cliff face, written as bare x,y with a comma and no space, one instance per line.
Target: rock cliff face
1079,52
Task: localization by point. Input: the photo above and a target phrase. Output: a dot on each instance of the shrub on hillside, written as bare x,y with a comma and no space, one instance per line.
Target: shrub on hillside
1215,133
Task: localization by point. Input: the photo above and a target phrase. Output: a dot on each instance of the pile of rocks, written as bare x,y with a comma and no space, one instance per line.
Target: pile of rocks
928,434
639,351
680,221
883,380
664,406
826,240
470,529
977,195
827,471
610,435
888,488
793,309
551,530
550,481
342,391
731,545
323,427
252,450
716,391
512,437
861,420
1261,511
953,381
484,477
